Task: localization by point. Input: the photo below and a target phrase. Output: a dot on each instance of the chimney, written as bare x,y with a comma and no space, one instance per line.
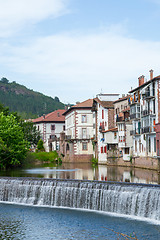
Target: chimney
44,116
151,74
141,80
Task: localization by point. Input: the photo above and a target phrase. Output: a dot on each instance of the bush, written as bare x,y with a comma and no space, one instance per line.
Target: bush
51,157
40,146
94,161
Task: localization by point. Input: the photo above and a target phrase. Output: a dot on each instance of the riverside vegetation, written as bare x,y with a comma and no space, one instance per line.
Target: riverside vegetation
17,137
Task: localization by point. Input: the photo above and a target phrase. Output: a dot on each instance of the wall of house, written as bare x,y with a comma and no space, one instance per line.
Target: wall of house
46,131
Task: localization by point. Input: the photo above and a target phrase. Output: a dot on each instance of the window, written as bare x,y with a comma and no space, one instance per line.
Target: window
38,128
135,146
149,145
154,106
154,144
126,150
84,118
84,132
84,146
63,127
52,127
139,145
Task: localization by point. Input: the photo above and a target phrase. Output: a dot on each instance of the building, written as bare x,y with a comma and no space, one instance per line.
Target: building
103,120
79,132
145,113
124,125
50,126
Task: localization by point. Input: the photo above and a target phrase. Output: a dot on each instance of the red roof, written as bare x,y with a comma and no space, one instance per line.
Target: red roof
55,116
83,105
105,104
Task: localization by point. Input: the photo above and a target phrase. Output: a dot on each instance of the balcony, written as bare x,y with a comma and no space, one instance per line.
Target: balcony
136,131
52,138
119,119
147,112
133,102
135,116
84,137
148,129
68,137
148,95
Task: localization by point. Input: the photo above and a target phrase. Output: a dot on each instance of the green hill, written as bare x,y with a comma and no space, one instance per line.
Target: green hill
26,102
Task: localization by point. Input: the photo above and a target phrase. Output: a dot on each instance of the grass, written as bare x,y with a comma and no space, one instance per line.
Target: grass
43,157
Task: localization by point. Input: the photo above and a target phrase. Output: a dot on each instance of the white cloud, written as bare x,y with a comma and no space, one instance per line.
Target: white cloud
15,14
76,66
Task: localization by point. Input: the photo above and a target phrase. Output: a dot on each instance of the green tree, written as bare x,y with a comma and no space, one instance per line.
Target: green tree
31,134
13,147
3,109
4,80
40,146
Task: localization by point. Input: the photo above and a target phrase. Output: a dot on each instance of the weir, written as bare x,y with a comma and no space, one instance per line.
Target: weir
139,200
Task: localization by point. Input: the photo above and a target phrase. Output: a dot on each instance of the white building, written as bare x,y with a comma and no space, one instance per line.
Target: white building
79,132
144,113
50,126
103,119
122,119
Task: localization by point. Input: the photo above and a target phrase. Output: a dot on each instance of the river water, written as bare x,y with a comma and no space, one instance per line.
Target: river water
19,222
87,172
39,223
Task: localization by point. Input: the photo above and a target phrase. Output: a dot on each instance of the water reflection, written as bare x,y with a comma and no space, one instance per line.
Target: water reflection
83,171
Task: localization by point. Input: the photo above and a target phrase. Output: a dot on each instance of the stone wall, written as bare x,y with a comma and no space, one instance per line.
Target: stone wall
85,158
140,162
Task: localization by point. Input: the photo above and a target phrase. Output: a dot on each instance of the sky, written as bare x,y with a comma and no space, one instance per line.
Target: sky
75,49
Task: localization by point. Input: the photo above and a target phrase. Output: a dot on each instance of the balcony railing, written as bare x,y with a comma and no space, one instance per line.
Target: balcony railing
147,112
53,138
133,102
136,131
68,137
119,119
148,129
135,116
84,137
148,95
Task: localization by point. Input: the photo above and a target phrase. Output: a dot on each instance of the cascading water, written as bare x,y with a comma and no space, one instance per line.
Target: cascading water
129,199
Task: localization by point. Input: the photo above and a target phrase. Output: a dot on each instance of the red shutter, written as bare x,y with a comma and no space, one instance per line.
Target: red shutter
102,114
101,149
105,149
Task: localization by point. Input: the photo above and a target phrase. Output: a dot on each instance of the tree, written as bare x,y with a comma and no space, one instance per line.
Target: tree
13,147
31,134
56,99
4,80
40,146
3,109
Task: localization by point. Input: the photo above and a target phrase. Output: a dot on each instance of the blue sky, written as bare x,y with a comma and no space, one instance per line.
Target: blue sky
75,49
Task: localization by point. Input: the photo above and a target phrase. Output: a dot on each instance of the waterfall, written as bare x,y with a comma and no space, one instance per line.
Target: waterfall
122,198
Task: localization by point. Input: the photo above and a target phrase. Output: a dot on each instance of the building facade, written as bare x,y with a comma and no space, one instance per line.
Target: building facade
145,113
124,125
79,132
50,126
103,120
